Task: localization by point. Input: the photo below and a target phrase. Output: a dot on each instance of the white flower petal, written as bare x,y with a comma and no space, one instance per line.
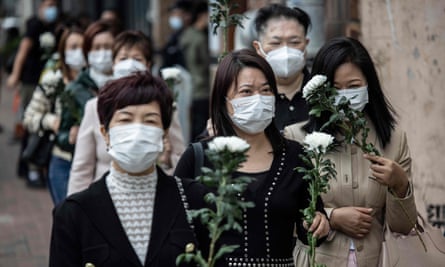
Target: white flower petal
314,83
47,40
51,78
171,73
232,143
318,141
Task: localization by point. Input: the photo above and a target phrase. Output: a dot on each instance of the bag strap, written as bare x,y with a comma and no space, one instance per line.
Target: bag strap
199,158
184,201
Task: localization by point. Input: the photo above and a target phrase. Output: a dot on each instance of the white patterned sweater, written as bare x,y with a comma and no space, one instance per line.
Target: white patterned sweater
134,197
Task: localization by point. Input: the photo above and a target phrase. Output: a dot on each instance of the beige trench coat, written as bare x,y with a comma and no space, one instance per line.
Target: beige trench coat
353,188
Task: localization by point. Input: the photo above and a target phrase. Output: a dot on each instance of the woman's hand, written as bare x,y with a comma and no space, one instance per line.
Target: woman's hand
389,173
320,225
353,221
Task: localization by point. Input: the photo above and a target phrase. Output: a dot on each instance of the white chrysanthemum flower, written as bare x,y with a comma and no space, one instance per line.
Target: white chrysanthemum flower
47,40
51,78
172,73
318,141
232,143
316,81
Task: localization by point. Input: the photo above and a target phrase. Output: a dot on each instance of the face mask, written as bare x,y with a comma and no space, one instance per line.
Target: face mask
127,67
101,60
252,114
358,98
135,147
50,14
74,58
175,22
285,61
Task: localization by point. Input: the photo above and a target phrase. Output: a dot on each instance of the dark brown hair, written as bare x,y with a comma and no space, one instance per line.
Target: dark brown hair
226,75
138,89
61,49
94,29
132,39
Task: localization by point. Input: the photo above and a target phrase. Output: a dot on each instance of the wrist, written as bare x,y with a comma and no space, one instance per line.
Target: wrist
330,215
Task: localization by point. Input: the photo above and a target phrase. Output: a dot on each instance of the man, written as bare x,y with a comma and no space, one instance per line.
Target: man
179,19
195,46
35,48
282,41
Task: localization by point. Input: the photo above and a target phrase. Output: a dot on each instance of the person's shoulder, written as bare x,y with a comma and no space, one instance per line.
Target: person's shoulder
398,132
34,20
398,140
34,26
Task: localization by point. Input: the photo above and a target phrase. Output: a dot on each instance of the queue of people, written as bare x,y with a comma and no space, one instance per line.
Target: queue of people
122,177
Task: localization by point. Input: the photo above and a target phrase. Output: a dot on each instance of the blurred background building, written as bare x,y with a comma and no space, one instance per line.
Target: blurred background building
406,39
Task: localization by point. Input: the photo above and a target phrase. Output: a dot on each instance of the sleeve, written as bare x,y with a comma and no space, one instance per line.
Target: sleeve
176,140
37,112
397,208
186,164
84,160
65,249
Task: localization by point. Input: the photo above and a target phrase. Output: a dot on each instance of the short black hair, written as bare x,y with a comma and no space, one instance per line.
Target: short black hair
281,11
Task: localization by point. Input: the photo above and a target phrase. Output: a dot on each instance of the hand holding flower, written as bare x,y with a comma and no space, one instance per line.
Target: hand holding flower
389,173
320,225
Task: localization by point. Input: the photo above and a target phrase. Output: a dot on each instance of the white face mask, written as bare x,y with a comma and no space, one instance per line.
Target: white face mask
74,59
252,114
101,60
285,61
135,147
358,98
175,22
127,67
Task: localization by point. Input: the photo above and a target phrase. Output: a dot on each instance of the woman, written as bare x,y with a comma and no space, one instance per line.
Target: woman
242,104
96,227
369,190
99,38
132,52
44,109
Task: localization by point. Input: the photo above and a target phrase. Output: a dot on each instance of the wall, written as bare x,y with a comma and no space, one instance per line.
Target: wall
406,38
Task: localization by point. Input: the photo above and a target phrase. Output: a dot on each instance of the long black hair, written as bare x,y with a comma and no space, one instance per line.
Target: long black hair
338,51
226,75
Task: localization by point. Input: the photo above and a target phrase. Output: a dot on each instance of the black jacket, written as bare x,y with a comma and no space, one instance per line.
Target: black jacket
279,196
87,229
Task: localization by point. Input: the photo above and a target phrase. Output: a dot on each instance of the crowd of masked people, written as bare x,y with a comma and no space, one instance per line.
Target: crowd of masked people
121,172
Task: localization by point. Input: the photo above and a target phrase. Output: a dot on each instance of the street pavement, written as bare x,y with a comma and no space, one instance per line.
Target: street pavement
25,213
